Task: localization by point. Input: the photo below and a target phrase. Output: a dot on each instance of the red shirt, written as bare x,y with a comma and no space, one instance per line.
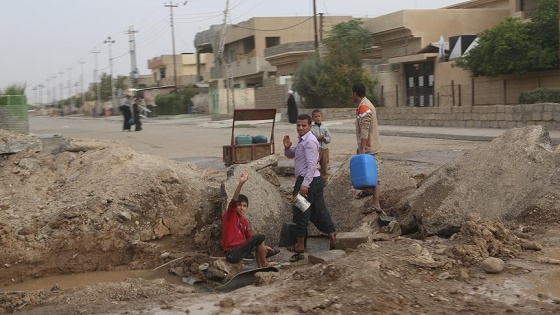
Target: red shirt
235,228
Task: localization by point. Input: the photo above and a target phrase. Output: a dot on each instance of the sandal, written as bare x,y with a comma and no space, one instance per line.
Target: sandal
292,248
363,194
273,252
297,257
372,210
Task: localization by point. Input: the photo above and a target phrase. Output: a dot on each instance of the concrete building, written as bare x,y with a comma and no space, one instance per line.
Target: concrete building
189,66
244,51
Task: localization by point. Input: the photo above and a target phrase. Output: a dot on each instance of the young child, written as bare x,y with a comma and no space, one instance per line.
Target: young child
237,239
323,135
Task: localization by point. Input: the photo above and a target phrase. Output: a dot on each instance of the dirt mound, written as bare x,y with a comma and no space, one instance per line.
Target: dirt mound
503,179
94,205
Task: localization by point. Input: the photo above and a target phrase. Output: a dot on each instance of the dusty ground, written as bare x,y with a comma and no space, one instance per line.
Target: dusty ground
398,275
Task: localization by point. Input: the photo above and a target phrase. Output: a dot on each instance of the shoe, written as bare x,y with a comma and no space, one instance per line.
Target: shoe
363,194
273,252
296,257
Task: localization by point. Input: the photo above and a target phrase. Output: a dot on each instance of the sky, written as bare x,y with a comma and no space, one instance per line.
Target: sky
46,42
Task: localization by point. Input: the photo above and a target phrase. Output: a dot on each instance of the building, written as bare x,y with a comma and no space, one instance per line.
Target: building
244,46
189,67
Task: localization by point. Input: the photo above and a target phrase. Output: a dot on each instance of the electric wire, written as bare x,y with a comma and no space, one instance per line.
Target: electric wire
272,30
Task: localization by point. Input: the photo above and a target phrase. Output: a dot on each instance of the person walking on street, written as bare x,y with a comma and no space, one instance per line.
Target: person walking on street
367,135
292,107
127,114
136,112
323,135
309,184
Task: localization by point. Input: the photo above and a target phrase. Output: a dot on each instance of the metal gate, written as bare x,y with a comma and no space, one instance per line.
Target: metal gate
419,84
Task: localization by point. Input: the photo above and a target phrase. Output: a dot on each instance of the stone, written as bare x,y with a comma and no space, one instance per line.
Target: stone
11,142
265,162
415,249
265,278
160,230
345,240
325,256
492,265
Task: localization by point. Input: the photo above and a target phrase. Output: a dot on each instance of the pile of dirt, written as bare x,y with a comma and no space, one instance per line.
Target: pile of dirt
94,205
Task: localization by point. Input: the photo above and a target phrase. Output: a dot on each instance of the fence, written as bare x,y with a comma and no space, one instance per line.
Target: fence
504,90
13,113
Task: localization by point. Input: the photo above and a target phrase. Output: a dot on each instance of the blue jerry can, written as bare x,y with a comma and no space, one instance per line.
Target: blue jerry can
260,139
363,171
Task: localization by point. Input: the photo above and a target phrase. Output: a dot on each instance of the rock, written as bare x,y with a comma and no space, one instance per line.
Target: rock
346,240
227,302
124,216
164,256
222,265
11,142
492,265
203,266
325,256
265,162
214,274
160,230
265,278
424,261
415,249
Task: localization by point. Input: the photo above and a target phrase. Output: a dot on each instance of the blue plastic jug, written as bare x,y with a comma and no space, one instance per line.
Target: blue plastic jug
363,171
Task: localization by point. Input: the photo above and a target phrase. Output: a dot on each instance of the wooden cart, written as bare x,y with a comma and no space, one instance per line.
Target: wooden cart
243,153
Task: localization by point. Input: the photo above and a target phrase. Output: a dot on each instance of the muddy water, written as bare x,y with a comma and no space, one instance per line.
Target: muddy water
80,280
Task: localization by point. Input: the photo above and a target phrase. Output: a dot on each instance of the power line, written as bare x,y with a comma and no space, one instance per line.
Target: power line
272,30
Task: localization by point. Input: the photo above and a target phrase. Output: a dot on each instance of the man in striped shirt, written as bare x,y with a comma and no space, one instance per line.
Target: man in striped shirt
367,135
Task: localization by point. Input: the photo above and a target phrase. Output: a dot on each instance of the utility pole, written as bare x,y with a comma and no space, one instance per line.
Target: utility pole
61,84
69,82
97,84
171,6
54,88
315,25
225,64
133,67
83,94
110,42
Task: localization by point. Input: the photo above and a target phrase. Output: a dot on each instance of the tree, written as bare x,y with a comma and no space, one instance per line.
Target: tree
119,82
517,47
328,80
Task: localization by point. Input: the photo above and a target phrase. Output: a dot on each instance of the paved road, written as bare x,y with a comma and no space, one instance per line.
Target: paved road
198,139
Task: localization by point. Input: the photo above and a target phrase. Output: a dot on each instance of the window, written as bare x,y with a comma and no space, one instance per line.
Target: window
272,41
162,73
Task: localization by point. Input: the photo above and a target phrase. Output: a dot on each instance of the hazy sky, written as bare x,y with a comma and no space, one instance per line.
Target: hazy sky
40,39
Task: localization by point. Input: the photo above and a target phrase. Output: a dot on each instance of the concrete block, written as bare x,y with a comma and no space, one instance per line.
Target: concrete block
500,116
537,116
509,109
346,240
325,256
493,124
492,116
510,124
547,116
502,124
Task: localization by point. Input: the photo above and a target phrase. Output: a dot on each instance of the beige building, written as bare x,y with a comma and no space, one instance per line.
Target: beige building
244,46
189,67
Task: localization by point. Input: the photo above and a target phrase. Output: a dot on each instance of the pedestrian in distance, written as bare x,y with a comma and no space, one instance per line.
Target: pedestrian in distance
136,112
323,135
309,184
237,239
292,107
367,135
127,114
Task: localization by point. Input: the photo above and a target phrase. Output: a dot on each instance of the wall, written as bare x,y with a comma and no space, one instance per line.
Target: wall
492,116
271,95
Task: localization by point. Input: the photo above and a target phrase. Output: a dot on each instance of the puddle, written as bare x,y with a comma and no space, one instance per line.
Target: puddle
79,280
544,287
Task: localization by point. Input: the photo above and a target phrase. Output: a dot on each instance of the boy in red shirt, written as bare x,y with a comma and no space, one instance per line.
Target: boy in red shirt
237,239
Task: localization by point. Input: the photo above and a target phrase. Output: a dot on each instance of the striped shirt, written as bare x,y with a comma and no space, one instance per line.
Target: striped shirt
366,126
